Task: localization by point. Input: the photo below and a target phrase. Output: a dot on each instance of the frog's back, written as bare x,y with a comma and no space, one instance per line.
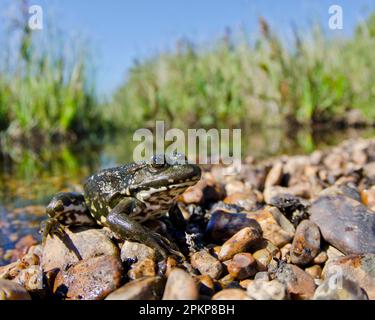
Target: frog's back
101,187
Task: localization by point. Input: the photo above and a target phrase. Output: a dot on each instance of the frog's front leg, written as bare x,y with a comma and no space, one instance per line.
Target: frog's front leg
119,221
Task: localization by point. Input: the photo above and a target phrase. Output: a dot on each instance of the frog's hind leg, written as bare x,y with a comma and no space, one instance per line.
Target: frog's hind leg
120,222
66,209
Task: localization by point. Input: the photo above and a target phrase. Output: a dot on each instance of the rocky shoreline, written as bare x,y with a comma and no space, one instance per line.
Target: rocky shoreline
293,227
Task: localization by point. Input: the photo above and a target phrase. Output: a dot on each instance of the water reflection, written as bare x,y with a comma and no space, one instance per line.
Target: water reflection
28,178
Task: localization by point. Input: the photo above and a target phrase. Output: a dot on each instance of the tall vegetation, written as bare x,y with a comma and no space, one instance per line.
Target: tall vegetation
315,79
46,81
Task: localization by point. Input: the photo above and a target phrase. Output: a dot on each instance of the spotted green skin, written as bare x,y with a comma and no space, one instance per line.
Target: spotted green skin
121,198
104,190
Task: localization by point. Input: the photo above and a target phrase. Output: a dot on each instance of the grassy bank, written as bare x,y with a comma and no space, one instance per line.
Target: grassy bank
266,81
47,83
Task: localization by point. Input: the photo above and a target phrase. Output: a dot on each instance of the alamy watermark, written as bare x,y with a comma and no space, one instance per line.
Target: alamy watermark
336,19
201,146
35,21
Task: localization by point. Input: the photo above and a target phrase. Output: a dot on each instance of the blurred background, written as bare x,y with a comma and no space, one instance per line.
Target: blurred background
73,91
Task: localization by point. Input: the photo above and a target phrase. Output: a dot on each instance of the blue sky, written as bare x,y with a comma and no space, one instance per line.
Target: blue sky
122,30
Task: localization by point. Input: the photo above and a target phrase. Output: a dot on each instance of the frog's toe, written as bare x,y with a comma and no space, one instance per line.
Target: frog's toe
51,227
167,245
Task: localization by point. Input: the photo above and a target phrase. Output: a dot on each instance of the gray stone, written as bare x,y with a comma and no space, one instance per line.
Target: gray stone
345,223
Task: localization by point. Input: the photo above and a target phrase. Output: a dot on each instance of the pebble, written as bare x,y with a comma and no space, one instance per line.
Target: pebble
278,233
207,264
314,271
223,225
267,290
85,244
274,176
180,286
359,268
142,268
262,257
10,290
206,286
300,285
339,289
147,288
226,281
242,266
306,243
89,279
231,294
246,200
31,279
345,223
321,258
239,242
368,198
263,276
135,251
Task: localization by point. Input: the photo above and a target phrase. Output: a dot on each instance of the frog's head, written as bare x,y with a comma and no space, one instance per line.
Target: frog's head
163,178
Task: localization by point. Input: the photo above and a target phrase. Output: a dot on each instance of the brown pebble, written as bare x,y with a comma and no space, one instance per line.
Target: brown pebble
239,242
321,258
148,288
242,266
170,264
300,284
90,279
180,286
231,294
10,290
314,271
206,285
206,264
143,268
262,257
226,281
306,243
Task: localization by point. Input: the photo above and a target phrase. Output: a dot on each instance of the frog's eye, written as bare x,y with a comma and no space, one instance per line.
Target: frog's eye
157,162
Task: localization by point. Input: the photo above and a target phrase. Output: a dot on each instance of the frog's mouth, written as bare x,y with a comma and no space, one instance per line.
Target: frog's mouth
170,191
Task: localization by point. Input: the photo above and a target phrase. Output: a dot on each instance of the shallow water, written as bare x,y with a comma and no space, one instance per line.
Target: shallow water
29,178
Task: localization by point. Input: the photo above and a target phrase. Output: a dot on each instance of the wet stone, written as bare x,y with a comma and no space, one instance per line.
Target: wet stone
206,264
242,266
180,286
306,243
345,223
147,288
239,242
90,279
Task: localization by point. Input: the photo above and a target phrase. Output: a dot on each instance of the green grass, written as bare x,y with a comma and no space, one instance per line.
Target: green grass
46,83
232,81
